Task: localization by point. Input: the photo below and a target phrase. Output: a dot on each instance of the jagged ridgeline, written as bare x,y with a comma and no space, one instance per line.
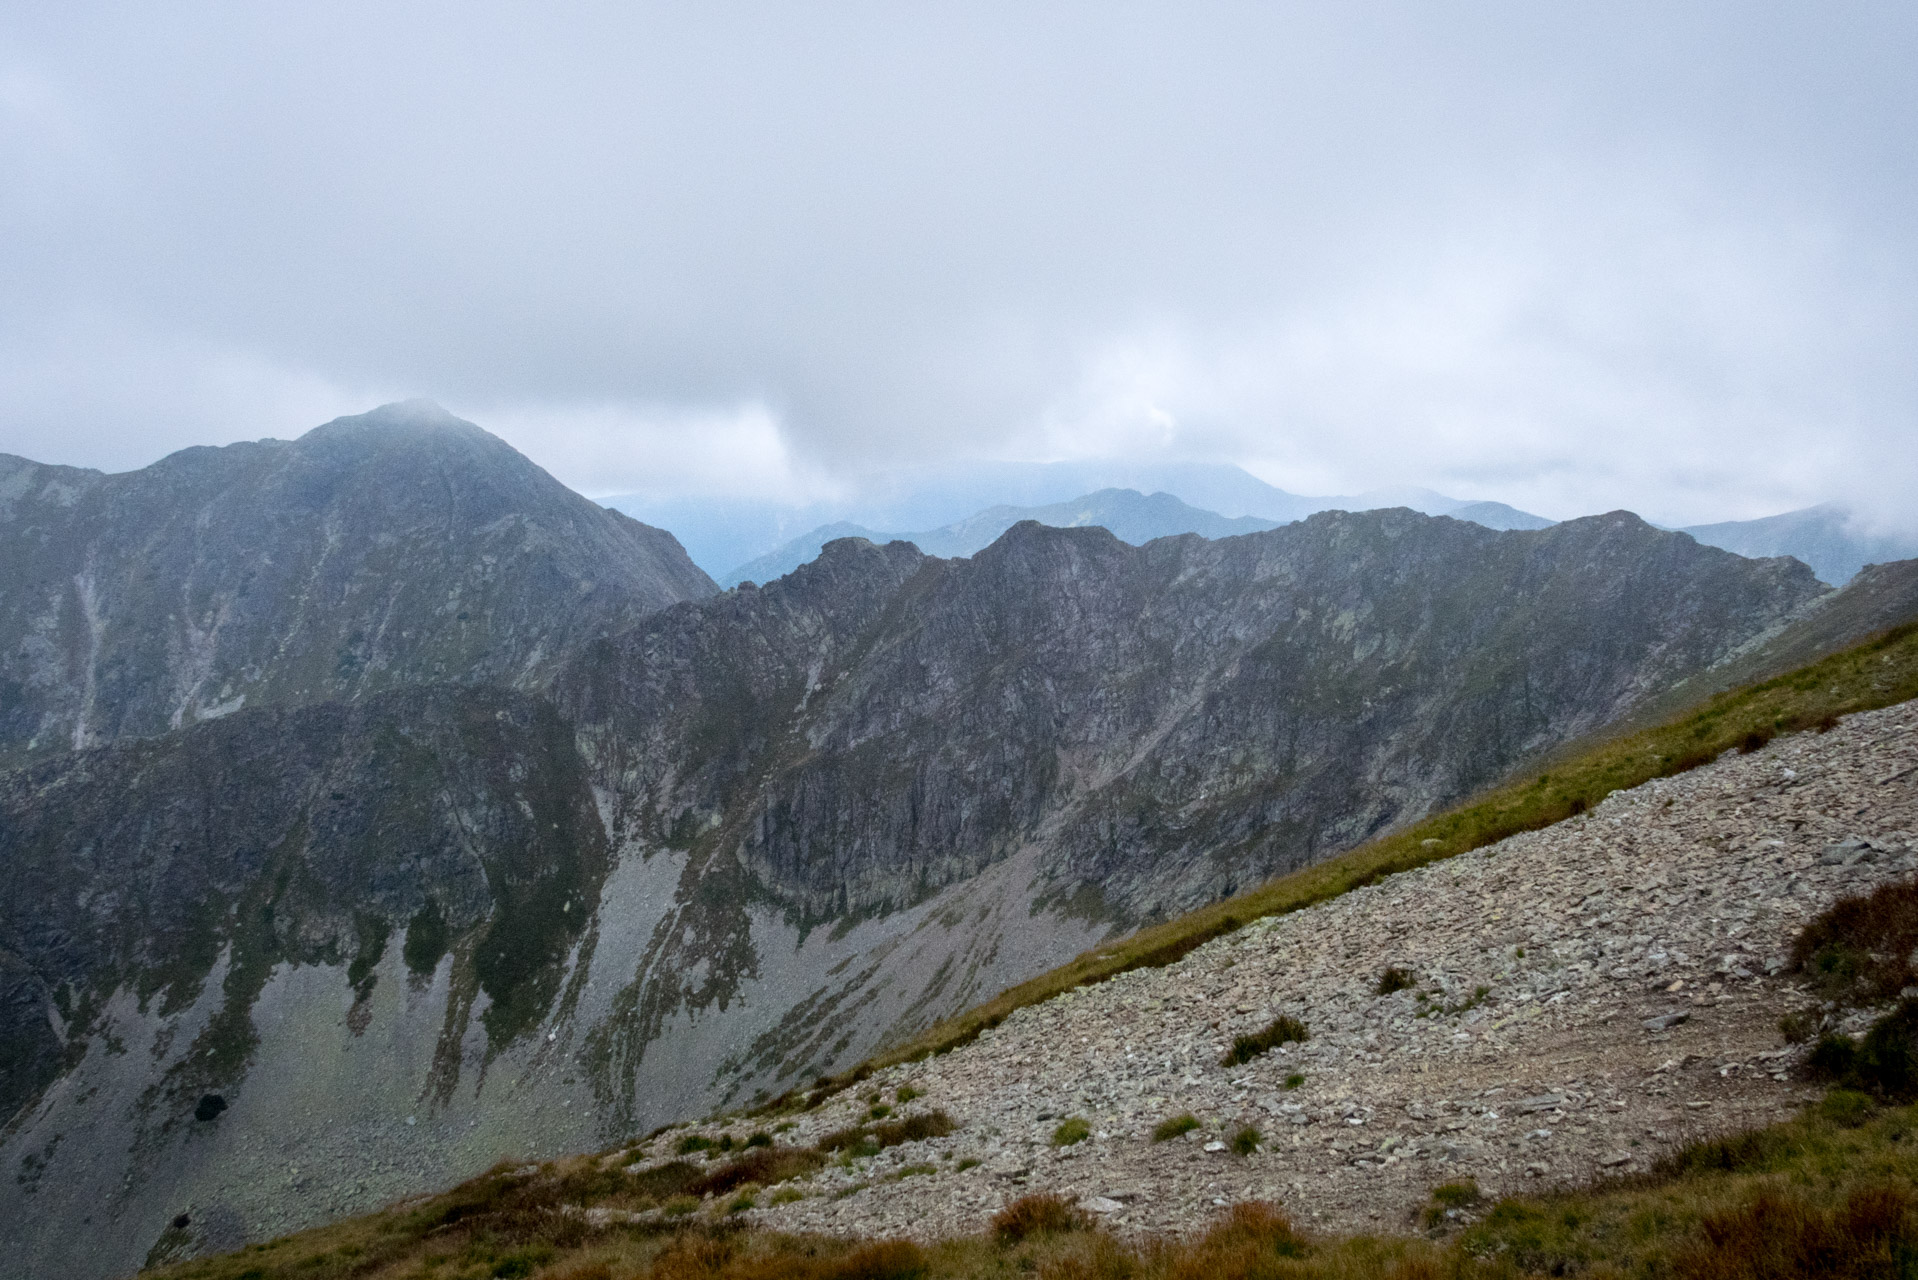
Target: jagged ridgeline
630,849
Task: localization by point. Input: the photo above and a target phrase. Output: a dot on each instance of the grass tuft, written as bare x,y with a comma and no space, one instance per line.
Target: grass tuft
1076,1129
1395,979
1283,1030
1176,1127
1038,1215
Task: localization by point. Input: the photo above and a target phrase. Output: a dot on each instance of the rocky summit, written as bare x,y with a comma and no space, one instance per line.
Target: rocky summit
398,547
376,809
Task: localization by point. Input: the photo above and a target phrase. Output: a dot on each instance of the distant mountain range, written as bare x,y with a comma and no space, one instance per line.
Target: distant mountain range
726,536
1127,514
1829,538
959,513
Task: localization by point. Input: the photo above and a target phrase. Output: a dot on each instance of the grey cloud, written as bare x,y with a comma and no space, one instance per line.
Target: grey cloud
1654,255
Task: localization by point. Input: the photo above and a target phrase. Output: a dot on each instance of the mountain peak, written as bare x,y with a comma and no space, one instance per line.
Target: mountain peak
420,416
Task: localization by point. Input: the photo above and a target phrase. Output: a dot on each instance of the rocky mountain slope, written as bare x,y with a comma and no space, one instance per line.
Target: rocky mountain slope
432,896
1568,1003
1160,725
304,959
396,547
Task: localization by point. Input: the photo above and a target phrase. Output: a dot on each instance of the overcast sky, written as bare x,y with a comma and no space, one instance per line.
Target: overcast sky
1662,256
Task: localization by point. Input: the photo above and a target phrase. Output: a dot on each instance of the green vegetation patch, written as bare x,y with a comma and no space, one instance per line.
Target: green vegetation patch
1175,1127
1074,1130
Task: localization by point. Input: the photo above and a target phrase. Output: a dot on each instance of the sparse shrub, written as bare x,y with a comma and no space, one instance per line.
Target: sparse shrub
881,1260
857,1141
1293,1081
1846,1108
1395,979
765,1167
1247,1241
1450,1199
1884,1064
742,1202
880,1111
1038,1215
1858,951
694,1142
586,1271
967,1163
522,1262
694,1256
1074,1130
786,1195
906,1094
1283,1030
662,1181
866,1140
1729,1153
1245,1141
680,1206
1177,1126
760,1139
1798,1028
930,1124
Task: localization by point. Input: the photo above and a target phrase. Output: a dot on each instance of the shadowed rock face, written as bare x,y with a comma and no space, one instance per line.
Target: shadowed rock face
701,851
398,547
461,820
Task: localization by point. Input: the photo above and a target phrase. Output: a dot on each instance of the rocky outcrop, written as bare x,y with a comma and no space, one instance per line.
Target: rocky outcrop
398,547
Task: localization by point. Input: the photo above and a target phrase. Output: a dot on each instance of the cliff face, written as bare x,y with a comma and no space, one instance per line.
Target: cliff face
1165,723
393,548
500,858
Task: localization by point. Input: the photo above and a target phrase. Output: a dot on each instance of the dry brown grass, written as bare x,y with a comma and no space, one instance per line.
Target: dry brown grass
1809,1197
1859,952
1038,1215
1777,1236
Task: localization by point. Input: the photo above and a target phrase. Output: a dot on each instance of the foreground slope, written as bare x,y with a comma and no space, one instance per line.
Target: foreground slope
1574,1001
398,546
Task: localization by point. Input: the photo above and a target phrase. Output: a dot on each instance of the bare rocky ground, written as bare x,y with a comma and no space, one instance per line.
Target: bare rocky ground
1584,998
